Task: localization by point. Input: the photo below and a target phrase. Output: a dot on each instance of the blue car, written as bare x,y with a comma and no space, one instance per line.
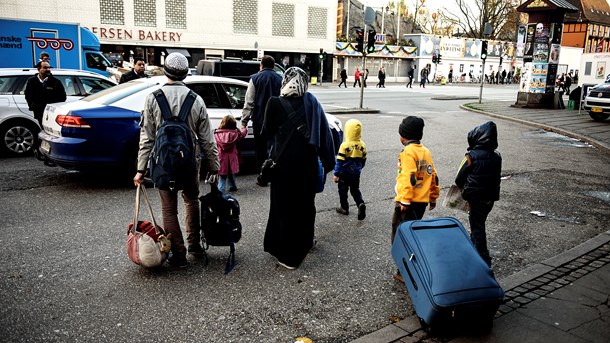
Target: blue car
102,130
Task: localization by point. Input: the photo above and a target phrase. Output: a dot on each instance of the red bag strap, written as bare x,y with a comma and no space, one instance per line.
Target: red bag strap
142,189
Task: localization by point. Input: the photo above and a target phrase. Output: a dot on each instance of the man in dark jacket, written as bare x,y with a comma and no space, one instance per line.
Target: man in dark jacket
479,179
263,85
42,89
136,73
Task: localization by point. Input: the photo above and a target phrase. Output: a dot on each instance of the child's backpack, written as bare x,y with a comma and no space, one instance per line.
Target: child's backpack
220,222
172,160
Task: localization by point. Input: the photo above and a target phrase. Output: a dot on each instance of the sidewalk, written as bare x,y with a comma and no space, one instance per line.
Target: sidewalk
563,299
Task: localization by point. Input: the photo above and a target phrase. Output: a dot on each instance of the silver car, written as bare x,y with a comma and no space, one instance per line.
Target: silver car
18,128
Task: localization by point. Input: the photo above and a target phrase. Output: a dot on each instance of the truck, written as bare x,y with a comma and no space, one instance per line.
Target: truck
70,46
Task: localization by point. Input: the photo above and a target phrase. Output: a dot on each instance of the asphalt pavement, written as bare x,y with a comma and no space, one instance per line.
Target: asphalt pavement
562,299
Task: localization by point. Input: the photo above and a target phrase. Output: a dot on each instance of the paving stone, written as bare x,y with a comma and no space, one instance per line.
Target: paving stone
519,290
569,278
389,333
536,283
409,324
531,295
543,279
597,264
563,270
541,292
562,281
511,294
589,268
604,259
577,274
512,304
556,273
528,286
522,300
547,288
505,309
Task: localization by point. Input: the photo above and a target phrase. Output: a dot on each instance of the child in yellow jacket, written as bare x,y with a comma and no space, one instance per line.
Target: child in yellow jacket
416,183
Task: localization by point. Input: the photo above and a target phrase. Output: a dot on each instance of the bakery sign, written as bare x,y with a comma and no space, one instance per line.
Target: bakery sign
138,35
452,47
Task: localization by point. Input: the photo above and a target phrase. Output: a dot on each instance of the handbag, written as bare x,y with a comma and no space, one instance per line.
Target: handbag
147,244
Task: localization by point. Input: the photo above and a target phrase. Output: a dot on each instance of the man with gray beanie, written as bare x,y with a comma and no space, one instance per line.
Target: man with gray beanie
175,91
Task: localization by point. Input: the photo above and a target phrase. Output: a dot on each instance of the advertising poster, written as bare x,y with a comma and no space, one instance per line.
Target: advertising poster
528,50
538,77
554,55
600,70
542,33
556,33
541,52
551,77
524,85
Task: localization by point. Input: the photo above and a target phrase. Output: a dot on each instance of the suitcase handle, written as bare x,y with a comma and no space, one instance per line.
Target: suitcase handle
404,262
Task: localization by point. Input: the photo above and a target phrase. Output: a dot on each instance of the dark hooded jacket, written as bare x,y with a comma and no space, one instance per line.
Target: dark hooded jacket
479,172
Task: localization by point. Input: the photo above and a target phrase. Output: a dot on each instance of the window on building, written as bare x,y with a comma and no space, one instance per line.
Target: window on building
316,22
145,13
283,19
112,12
245,16
175,14
588,66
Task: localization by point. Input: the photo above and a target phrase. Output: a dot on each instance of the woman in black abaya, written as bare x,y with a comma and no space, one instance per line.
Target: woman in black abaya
290,228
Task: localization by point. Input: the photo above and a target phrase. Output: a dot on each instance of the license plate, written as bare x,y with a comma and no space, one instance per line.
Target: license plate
596,109
45,147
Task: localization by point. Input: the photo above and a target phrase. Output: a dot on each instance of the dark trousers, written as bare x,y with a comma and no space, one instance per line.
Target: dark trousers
343,82
410,83
479,210
414,212
357,82
353,186
260,145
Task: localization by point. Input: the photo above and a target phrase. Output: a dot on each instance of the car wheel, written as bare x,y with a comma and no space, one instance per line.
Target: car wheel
599,116
18,138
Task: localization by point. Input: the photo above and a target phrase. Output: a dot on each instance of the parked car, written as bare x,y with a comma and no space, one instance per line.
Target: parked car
232,68
18,128
597,101
103,130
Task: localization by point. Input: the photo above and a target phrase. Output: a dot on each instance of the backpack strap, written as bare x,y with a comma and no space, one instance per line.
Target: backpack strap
164,105
187,105
166,112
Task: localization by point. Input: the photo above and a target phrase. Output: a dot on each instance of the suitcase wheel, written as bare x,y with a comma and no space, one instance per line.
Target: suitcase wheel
427,328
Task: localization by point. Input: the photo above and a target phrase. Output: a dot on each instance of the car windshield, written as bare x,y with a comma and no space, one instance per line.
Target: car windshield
113,94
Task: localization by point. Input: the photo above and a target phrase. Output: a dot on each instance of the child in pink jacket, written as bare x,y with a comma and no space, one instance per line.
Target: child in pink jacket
226,136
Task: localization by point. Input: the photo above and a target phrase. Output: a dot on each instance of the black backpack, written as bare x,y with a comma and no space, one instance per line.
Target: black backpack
172,160
220,222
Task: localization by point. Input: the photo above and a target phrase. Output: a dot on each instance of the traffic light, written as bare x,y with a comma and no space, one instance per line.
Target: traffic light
438,58
321,54
370,45
484,50
433,58
359,40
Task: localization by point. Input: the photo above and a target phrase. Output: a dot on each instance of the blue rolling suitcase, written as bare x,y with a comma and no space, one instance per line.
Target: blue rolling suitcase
448,282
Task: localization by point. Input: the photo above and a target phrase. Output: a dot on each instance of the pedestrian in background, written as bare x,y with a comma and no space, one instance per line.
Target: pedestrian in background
226,136
357,78
417,182
262,86
351,158
424,77
366,76
381,77
343,78
479,178
450,76
44,57
136,73
176,69
410,74
290,234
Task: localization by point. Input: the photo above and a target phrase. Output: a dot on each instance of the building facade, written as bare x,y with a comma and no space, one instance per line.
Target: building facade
293,31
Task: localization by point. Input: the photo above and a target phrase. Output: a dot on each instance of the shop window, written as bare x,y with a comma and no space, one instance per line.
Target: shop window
112,12
283,19
316,22
145,13
175,14
245,16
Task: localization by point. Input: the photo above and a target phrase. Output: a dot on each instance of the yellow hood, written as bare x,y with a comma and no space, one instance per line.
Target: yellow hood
352,130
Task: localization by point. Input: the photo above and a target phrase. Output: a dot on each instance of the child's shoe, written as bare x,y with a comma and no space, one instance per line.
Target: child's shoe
361,211
342,210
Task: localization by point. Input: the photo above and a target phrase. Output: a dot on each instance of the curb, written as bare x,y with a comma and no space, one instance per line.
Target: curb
600,145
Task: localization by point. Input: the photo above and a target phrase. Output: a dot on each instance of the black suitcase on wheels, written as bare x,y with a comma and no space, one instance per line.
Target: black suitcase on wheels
448,282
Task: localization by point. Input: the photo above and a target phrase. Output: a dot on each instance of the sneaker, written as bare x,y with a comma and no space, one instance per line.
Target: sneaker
196,250
361,211
286,266
178,263
342,210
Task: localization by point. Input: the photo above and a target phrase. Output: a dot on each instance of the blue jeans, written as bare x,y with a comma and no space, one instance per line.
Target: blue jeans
222,182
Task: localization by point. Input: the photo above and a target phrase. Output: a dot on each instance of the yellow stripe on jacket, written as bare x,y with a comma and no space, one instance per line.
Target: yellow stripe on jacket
416,180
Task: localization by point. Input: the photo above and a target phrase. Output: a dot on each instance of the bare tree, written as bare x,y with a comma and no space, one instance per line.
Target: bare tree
471,16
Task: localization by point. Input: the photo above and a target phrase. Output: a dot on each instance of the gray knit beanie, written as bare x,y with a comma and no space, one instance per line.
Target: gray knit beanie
411,128
176,66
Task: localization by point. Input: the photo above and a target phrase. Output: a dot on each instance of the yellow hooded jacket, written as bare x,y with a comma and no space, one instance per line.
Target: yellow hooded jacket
351,157
417,180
